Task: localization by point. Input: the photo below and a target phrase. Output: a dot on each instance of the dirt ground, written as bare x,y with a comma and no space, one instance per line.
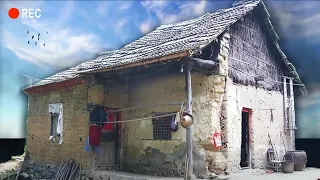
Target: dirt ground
257,174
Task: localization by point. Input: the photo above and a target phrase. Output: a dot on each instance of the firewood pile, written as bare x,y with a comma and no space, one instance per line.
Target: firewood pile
67,170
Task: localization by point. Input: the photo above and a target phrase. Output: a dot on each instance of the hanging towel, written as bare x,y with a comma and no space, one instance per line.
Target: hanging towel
174,125
60,124
95,135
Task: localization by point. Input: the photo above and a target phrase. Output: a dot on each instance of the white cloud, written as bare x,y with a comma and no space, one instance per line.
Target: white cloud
186,10
298,19
64,47
313,98
146,27
124,5
121,23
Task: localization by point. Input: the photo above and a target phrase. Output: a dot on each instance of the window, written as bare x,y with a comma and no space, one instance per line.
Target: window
162,127
54,124
56,120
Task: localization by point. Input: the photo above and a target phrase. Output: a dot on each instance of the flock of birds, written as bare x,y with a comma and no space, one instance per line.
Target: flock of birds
35,39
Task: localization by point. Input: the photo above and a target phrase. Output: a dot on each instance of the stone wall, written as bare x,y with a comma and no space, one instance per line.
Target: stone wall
75,126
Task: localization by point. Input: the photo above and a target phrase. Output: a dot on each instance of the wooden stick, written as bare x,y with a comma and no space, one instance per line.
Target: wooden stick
26,156
59,169
186,167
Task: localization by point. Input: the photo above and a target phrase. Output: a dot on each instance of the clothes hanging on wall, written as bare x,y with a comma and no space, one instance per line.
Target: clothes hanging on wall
109,126
88,148
99,115
174,125
95,135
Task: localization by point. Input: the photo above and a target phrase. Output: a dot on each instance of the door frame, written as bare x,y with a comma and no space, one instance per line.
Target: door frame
117,141
250,137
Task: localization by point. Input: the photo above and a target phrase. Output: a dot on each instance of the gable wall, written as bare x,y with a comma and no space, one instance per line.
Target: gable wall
241,93
252,54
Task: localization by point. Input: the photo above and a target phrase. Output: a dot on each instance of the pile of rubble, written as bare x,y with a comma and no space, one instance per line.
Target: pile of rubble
66,170
38,171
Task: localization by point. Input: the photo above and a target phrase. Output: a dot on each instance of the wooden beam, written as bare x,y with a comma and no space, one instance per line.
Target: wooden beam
144,62
207,65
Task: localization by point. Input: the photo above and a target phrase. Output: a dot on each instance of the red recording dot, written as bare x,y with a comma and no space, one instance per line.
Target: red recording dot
13,13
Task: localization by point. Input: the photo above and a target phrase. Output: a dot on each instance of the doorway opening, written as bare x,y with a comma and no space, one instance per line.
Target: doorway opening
108,157
245,154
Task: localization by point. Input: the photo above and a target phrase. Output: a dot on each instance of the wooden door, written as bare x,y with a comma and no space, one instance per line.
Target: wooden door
107,157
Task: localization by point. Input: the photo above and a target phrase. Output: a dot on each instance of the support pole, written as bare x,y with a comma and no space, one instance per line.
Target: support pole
292,114
285,113
189,129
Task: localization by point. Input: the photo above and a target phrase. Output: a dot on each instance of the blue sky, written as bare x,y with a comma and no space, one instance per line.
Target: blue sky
78,30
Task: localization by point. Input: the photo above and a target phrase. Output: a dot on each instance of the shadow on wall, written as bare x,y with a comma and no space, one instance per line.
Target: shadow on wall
11,147
311,147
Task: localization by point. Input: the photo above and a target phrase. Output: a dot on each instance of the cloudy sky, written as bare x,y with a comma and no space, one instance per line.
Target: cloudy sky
78,30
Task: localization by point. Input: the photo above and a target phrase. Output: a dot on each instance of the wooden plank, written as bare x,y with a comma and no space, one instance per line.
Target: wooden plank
292,114
285,125
144,62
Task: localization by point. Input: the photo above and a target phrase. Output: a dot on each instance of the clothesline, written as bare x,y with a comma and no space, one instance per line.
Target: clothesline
138,107
132,120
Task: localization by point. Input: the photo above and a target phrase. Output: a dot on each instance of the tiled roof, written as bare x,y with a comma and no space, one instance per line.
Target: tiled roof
164,40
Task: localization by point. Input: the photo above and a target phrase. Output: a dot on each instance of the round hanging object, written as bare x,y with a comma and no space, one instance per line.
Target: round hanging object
186,120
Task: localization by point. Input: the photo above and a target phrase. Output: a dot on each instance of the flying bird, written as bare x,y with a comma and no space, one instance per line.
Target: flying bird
38,34
35,43
38,39
28,42
47,32
32,36
28,32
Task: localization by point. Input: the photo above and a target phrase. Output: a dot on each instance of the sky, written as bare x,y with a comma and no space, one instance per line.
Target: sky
78,30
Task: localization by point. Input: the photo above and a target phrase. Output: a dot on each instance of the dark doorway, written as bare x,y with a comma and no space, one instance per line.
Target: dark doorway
109,155
245,139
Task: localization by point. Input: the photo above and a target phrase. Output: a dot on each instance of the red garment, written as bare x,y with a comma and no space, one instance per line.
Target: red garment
109,126
95,135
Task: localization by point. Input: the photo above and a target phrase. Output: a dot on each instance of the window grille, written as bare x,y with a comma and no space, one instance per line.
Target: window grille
161,127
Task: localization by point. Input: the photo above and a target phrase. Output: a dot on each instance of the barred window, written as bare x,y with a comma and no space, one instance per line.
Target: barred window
161,127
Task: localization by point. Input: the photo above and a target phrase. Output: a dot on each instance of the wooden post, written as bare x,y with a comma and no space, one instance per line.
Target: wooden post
292,114
189,130
285,113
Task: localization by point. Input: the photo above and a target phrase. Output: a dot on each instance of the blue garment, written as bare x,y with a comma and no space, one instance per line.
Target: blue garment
87,147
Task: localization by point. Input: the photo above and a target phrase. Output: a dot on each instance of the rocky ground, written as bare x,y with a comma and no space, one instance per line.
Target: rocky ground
257,174
48,171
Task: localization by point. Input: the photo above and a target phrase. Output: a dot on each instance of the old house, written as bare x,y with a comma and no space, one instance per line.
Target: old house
241,86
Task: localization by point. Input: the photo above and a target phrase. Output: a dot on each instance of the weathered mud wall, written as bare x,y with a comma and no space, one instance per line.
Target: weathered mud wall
75,126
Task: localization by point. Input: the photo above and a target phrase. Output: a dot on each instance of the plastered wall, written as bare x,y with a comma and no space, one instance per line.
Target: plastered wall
262,123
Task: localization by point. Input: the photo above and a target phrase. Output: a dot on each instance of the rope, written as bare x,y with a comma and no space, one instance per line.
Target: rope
132,120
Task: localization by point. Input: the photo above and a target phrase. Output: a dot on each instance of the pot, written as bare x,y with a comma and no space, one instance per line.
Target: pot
300,159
